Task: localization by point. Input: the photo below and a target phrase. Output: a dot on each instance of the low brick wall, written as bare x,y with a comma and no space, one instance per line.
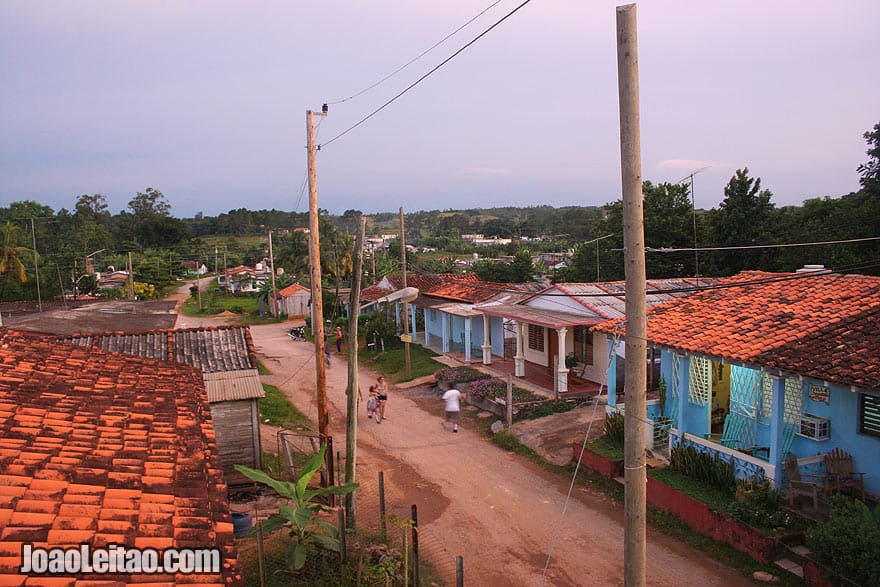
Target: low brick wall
597,463
716,525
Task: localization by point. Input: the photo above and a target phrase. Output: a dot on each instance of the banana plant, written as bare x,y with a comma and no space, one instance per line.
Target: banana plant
301,516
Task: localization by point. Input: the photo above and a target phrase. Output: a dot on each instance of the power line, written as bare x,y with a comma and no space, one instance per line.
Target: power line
421,79
417,57
779,246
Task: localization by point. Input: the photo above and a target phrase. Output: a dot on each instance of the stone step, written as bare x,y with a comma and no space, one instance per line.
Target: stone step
790,566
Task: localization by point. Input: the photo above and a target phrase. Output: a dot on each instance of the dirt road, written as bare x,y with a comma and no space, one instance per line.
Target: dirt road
498,511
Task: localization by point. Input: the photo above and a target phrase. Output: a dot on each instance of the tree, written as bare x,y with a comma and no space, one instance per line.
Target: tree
742,218
870,171
12,256
148,219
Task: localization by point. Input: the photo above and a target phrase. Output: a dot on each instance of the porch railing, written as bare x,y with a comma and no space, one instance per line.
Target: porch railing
745,466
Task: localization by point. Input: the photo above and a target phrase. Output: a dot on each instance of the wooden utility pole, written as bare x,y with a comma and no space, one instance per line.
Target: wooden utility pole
354,302
634,550
272,268
315,277
407,360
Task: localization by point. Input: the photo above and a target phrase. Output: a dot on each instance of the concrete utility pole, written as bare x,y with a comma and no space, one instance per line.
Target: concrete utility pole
130,283
634,550
272,268
407,360
315,277
354,302
36,266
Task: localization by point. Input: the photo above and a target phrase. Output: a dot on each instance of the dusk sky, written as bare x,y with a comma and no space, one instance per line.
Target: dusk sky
206,100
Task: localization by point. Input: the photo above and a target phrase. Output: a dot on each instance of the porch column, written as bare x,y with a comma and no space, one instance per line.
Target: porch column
519,361
412,320
487,343
561,369
427,336
777,427
684,386
611,378
467,339
444,317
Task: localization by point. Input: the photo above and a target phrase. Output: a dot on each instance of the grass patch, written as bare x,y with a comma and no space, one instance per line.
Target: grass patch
714,497
262,369
391,363
607,448
277,410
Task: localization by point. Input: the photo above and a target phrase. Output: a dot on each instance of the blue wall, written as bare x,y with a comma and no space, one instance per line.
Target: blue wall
842,410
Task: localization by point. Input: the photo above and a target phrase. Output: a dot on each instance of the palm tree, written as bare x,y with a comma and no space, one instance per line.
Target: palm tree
341,258
11,263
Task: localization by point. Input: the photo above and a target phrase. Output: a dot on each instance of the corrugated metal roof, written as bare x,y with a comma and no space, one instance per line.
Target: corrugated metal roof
210,349
233,385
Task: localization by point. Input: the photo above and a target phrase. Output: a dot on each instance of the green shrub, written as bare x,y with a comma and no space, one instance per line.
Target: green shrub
757,504
703,466
551,407
614,428
848,543
459,375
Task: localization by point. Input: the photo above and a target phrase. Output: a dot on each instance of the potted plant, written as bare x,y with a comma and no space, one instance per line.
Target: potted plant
571,361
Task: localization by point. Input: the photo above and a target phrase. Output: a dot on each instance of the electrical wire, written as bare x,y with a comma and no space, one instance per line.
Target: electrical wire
577,467
737,248
417,57
425,76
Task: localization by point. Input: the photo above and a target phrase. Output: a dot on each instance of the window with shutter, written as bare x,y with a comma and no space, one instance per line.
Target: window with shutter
869,415
536,338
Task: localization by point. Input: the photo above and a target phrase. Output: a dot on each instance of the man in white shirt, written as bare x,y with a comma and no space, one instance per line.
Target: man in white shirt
452,398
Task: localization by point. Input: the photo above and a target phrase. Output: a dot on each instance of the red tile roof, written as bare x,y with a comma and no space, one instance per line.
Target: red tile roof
103,448
292,289
824,326
466,287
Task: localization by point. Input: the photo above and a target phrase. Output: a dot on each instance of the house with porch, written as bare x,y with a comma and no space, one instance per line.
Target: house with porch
553,328
445,315
766,364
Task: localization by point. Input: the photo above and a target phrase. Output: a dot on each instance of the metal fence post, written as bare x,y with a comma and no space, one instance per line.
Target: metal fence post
415,543
382,505
459,571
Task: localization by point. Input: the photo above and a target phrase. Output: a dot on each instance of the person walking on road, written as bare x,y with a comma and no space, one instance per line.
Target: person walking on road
339,339
452,399
382,391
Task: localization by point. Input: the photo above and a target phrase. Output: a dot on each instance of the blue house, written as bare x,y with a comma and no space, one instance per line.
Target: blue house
445,316
770,363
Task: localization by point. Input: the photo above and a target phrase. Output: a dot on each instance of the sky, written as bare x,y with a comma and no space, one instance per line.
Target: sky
205,101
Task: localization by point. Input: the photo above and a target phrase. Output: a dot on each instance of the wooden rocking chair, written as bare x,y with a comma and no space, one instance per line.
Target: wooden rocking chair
841,476
799,487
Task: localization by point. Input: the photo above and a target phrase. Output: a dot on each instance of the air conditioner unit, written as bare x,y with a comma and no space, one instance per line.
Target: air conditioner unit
815,427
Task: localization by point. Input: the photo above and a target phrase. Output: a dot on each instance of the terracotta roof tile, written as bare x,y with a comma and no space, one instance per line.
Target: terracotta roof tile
103,448
824,326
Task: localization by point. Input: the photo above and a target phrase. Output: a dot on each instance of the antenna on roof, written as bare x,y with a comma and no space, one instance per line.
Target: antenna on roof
690,177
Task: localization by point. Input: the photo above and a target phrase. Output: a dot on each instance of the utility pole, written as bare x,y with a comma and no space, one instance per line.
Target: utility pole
315,278
130,284
216,260
635,547
354,302
373,259
407,360
225,270
272,267
36,266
